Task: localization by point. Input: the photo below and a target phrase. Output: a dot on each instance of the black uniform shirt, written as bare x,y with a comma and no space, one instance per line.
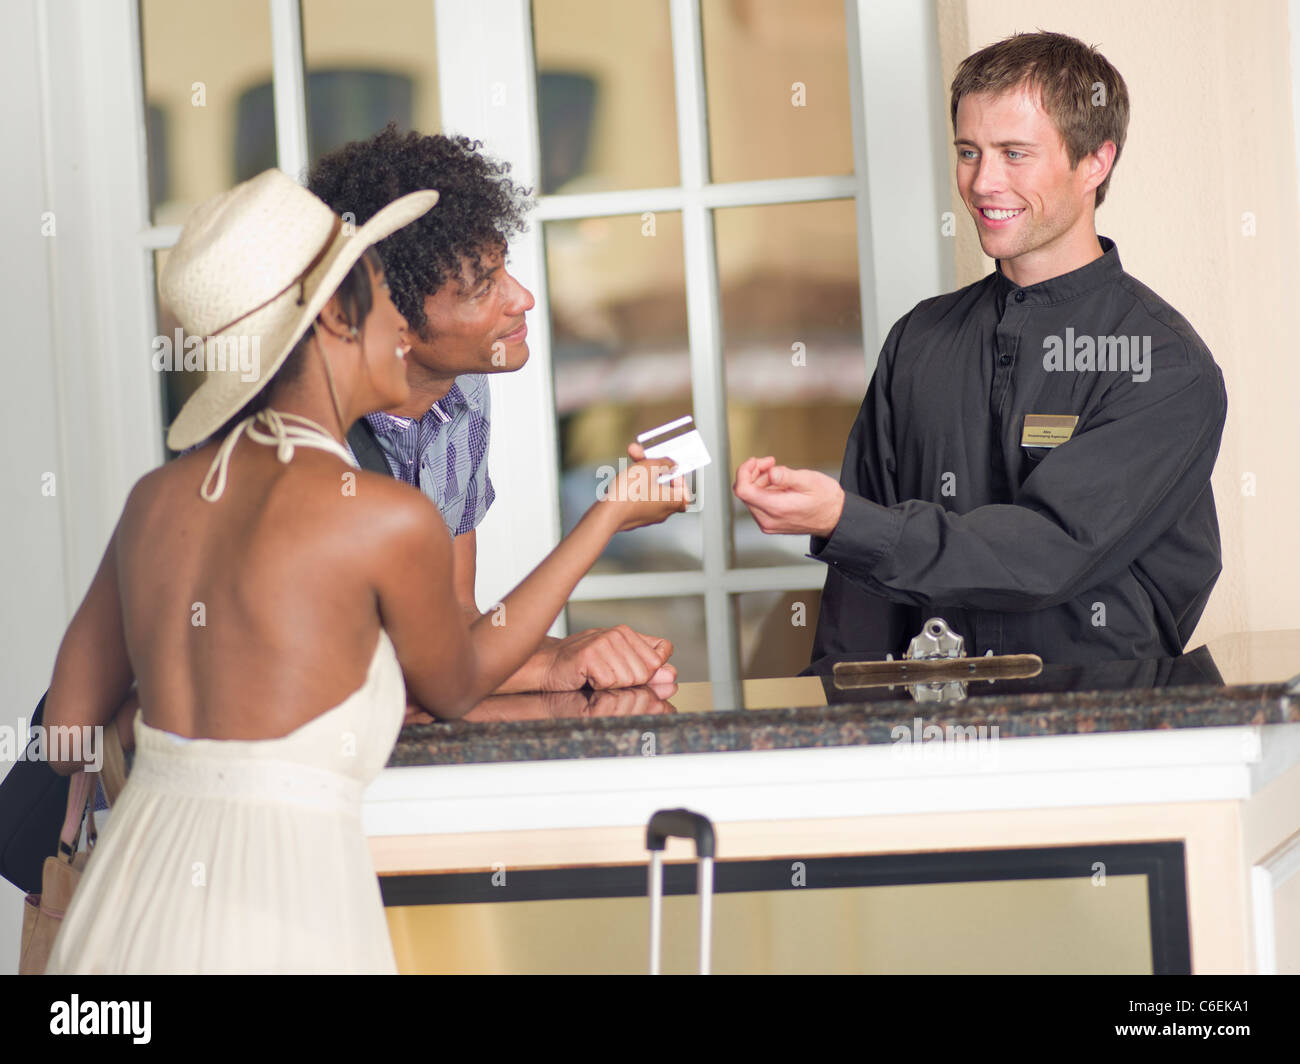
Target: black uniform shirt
1105,546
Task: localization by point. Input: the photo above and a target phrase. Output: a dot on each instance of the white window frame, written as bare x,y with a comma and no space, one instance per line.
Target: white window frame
894,69
898,114
87,98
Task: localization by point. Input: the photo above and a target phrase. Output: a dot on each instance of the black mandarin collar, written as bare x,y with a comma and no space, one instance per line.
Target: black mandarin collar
1085,279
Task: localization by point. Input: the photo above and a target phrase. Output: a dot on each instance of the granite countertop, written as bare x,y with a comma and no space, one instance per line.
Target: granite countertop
1236,680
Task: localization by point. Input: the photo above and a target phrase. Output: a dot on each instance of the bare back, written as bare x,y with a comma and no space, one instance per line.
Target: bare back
246,617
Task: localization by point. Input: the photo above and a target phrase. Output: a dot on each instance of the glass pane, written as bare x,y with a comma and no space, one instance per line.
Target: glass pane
621,366
199,60
364,72
607,112
776,631
792,339
679,620
778,88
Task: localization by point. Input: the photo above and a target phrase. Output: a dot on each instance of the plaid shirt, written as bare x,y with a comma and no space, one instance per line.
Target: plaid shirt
448,448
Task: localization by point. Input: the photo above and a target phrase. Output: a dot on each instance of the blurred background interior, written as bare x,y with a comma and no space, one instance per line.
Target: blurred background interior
787,273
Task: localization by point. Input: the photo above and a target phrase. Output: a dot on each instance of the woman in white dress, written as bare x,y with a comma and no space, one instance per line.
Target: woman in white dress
275,607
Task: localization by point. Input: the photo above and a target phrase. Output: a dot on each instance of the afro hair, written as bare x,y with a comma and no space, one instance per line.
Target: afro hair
479,207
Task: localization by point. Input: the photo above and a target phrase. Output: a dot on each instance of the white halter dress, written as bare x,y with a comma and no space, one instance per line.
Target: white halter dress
235,856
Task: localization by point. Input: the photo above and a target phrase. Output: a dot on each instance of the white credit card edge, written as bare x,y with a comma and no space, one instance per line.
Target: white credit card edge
662,429
687,451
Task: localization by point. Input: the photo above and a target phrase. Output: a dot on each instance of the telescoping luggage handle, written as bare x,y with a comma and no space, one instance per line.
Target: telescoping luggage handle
680,824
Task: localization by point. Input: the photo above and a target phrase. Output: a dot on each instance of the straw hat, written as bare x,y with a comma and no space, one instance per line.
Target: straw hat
252,269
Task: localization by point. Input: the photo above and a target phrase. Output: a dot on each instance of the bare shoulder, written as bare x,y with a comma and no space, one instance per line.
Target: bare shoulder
392,514
155,510
155,489
176,481
360,513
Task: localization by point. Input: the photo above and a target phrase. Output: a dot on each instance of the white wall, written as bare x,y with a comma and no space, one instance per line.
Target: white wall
78,401
31,561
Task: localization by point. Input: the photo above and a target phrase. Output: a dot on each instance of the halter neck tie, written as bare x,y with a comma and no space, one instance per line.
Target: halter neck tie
281,434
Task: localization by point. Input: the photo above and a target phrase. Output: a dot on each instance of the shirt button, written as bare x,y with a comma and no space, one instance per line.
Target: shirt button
1020,297
1004,360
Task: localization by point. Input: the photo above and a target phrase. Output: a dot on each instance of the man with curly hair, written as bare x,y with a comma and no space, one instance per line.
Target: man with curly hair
465,316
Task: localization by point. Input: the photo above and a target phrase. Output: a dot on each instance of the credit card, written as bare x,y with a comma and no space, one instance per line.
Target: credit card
678,441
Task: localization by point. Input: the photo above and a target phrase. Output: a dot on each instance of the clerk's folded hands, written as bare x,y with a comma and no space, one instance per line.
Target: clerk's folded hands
789,501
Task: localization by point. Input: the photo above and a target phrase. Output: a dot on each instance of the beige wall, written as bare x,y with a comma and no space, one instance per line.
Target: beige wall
1210,138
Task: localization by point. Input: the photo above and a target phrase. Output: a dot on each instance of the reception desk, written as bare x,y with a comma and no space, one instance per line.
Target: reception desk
1132,817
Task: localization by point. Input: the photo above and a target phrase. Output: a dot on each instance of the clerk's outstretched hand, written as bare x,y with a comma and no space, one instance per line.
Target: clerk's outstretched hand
789,501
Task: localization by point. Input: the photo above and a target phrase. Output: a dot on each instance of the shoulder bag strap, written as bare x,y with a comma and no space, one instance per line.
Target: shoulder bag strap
361,439
81,800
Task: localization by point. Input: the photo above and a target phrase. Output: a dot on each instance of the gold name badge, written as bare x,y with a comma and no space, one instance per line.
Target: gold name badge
1047,430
